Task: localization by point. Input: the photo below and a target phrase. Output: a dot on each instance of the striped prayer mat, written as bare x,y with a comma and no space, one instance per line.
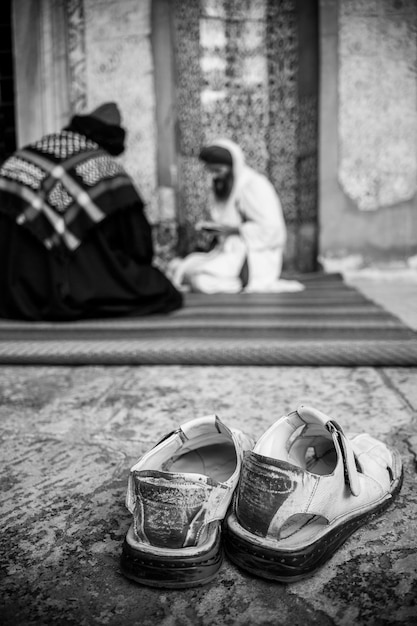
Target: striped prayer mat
329,323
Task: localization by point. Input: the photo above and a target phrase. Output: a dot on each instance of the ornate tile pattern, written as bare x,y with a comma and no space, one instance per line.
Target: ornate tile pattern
189,78
233,59
307,167
378,101
282,46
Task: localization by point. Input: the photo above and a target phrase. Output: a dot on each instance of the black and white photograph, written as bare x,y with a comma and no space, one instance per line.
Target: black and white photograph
208,312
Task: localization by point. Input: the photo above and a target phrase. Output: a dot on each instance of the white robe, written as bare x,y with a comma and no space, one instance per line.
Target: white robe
254,208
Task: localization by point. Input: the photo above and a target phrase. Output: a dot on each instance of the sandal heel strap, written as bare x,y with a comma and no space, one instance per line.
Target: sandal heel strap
169,510
267,486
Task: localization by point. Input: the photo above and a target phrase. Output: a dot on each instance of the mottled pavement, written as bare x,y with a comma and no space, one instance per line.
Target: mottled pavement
69,436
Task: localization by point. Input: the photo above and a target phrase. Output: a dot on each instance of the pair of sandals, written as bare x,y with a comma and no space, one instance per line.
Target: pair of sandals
280,508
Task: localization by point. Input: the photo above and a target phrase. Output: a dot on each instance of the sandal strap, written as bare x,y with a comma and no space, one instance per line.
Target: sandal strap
349,462
342,444
169,509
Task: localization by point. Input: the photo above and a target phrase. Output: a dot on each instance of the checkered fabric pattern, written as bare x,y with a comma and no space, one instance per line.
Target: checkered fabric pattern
61,186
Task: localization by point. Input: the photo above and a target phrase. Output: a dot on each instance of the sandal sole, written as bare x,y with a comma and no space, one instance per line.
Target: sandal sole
170,571
291,566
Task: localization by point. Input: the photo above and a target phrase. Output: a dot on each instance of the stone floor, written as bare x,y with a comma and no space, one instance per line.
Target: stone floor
396,290
70,434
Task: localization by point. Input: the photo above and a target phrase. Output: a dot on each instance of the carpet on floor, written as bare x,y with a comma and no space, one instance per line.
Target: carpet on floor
329,323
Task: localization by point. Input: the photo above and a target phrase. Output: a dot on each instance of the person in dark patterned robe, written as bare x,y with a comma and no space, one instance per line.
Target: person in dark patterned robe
74,239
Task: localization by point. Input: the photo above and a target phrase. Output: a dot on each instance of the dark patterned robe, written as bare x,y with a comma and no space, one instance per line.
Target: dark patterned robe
74,239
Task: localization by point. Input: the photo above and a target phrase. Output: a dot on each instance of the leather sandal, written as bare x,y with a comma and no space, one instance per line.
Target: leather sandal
304,489
178,494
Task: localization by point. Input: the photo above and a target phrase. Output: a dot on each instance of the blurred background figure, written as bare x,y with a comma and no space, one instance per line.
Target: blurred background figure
249,227
74,239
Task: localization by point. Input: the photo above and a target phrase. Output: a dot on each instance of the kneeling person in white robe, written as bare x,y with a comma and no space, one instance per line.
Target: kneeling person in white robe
249,225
